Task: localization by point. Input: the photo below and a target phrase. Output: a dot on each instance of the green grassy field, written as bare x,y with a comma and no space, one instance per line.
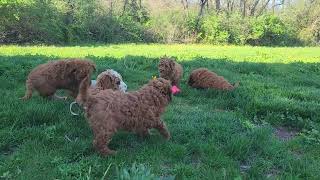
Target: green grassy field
215,135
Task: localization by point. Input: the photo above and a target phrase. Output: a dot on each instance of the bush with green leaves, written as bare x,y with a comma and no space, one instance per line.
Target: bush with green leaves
311,33
213,31
235,29
237,26
173,26
92,21
268,30
30,21
135,172
62,21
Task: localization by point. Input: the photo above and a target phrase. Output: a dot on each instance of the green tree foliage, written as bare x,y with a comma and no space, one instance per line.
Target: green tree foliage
66,21
268,30
253,22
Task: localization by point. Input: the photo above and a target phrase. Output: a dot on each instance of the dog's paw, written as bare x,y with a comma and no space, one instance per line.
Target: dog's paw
107,152
143,134
24,98
168,137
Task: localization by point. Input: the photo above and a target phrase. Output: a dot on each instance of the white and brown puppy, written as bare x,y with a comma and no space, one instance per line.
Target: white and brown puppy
109,79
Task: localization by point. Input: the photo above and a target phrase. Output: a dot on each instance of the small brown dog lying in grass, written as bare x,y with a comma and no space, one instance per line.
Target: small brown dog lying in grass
170,70
203,78
61,74
109,111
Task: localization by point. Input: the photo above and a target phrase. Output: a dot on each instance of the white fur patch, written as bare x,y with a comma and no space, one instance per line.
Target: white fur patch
93,83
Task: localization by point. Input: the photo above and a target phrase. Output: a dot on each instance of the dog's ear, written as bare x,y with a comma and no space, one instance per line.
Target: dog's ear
108,82
80,71
71,70
104,82
93,66
79,74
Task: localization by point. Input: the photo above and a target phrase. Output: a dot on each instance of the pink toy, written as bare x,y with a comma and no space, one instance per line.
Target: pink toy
175,90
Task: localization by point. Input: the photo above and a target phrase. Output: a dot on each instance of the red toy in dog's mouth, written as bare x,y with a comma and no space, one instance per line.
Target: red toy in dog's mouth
175,90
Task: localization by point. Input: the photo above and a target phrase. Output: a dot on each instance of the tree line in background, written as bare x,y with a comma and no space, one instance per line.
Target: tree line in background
254,22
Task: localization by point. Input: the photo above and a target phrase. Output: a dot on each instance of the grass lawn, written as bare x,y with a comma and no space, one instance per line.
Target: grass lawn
267,128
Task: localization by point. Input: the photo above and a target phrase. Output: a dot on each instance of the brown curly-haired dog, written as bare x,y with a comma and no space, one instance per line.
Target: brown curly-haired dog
109,111
203,78
170,70
61,74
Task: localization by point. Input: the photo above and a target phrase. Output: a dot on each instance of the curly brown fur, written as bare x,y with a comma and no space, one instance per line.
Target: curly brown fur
109,111
106,80
170,70
203,78
61,74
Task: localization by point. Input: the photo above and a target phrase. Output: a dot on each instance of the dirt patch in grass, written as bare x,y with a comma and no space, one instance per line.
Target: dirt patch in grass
285,134
8,150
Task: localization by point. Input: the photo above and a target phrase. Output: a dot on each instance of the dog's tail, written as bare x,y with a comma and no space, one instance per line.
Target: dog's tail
29,89
83,91
235,85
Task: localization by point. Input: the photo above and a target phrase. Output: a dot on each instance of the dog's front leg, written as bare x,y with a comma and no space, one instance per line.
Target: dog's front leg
143,132
101,141
162,128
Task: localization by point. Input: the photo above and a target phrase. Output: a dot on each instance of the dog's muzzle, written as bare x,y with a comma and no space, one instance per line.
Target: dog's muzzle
123,87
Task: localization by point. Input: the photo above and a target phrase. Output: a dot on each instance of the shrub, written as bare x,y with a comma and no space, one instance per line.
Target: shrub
62,21
311,34
90,21
267,30
237,27
213,31
135,172
173,26
30,21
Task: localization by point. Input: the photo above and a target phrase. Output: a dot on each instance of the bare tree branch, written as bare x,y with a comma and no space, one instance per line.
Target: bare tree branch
253,8
218,5
263,8
185,4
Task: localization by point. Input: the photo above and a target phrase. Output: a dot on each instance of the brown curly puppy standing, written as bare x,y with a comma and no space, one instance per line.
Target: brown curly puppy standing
109,111
61,74
203,78
170,70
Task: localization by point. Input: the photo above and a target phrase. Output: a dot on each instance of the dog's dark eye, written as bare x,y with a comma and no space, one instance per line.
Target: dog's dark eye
118,82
